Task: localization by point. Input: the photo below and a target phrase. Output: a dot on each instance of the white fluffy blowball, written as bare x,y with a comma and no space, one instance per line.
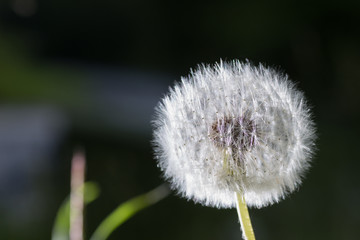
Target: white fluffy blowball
232,127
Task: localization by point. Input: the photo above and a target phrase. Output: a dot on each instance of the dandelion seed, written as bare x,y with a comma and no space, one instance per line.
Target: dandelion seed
256,135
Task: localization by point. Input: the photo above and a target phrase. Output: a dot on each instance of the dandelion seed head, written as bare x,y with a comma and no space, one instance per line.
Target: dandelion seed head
232,127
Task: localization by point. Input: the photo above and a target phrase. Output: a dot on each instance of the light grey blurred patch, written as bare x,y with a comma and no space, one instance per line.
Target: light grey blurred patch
125,98
29,138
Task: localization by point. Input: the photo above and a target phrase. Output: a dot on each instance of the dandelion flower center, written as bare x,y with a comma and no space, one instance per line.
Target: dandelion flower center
237,133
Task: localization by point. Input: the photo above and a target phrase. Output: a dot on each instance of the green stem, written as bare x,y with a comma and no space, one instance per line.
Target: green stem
126,210
246,227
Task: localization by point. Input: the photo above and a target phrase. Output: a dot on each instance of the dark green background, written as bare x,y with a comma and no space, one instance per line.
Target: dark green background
52,53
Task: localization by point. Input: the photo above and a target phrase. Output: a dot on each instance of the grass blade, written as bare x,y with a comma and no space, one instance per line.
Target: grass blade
62,221
126,210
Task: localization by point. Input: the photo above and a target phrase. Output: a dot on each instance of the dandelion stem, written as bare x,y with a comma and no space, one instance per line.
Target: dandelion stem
246,227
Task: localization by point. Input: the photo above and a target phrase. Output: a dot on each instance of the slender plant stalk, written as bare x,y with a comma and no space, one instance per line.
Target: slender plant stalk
77,196
62,221
246,227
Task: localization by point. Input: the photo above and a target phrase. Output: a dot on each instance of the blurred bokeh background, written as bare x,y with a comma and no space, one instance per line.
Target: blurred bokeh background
89,73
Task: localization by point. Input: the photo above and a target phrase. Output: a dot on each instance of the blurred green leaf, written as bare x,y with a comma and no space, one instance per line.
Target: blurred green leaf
62,222
126,210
